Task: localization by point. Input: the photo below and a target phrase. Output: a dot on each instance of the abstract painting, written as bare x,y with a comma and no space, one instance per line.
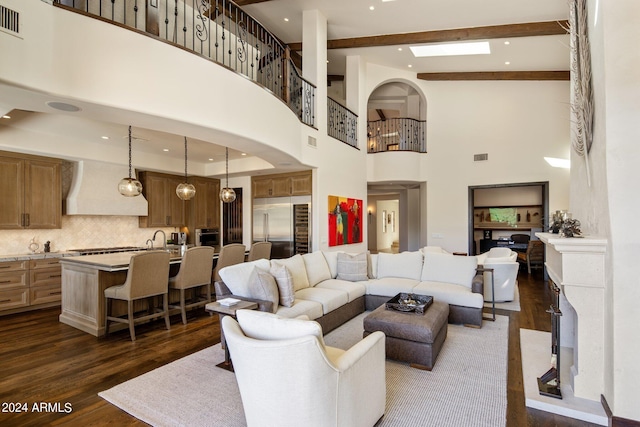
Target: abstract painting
345,221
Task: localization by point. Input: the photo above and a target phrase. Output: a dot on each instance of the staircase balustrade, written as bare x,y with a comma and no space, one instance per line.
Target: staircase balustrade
218,30
342,123
398,134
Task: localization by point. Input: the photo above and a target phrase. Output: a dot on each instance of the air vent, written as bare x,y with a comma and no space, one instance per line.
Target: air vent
480,157
9,21
312,142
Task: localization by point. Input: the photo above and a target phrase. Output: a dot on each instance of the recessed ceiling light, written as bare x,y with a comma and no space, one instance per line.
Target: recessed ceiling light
6,116
286,19
410,65
211,160
507,42
451,49
243,154
104,137
507,63
558,163
63,106
399,49
371,8
165,149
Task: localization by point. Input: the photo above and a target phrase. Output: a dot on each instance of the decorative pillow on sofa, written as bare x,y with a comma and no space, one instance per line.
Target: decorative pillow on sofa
352,267
284,283
317,268
295,264
267,326
265,288
237,277
449,268
406,265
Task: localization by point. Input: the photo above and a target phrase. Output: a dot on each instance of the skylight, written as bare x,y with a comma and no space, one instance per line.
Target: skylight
451,49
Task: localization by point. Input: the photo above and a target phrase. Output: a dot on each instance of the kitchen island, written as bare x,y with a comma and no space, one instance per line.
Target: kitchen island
84,279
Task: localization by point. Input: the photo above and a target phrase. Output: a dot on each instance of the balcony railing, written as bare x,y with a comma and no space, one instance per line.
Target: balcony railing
342,123
401,134
218,30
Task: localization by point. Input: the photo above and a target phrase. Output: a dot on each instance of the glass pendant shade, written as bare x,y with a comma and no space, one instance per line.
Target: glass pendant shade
129,187
227,194
185,191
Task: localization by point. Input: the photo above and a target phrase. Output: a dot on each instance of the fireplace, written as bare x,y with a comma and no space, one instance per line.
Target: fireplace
577,267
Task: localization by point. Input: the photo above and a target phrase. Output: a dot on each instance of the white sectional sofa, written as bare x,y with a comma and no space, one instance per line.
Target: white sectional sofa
333,287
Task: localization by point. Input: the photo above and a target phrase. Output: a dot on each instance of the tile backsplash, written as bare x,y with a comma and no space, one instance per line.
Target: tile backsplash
82,231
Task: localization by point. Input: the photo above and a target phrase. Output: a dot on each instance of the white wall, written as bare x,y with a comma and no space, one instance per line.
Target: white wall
516,123
610,207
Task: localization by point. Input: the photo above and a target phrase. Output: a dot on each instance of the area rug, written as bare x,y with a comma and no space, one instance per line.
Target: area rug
509,305
467,385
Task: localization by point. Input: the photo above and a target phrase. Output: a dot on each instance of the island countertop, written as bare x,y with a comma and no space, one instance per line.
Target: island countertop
118,261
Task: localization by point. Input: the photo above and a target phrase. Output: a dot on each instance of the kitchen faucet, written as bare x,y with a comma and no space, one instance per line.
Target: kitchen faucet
147,243
164,238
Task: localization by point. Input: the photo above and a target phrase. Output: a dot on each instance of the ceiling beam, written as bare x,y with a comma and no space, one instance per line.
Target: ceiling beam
530,29
497,75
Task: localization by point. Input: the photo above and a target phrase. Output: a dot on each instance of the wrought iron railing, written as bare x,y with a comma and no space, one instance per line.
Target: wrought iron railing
342,123
401,134
218,30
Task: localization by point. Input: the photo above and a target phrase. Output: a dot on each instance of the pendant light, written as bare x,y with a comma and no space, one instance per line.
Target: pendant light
185,190
227,194
130,187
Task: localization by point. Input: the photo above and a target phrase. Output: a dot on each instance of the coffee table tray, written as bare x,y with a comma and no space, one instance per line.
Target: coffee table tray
409,303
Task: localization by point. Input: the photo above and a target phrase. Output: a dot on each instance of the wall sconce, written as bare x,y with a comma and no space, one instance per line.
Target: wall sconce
369,216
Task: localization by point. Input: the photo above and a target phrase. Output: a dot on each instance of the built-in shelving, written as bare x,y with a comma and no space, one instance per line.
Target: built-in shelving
523,217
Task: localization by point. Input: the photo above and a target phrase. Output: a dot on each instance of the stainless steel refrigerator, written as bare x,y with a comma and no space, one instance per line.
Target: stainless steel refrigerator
279,220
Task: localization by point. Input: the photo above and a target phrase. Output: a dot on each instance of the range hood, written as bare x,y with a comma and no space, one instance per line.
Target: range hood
94,191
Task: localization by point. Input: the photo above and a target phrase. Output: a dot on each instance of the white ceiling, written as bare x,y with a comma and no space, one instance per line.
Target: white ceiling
352,18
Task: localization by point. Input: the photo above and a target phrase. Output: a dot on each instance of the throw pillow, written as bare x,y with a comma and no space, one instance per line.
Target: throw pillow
352,267
265,288
285,284
266,326
317,267
296,267
237,277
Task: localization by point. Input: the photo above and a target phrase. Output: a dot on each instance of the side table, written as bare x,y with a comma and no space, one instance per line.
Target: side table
481,269
225,310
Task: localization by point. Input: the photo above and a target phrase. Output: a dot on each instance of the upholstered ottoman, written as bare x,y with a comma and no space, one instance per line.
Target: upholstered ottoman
413,338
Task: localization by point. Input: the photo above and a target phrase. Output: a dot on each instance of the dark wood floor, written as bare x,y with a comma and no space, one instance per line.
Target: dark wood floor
42,360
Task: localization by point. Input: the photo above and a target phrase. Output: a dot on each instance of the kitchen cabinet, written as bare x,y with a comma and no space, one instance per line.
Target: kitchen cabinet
14,285
291,184
204,208
29,284
45,281
31,189
166,209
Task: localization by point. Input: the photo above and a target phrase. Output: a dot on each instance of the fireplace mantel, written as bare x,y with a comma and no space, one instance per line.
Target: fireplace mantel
577,266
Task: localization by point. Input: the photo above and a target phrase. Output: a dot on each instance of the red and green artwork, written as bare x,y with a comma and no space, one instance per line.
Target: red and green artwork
345,221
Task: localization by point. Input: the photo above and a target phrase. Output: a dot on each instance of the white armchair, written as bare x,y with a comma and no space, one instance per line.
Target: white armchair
288,377
505,267
505,276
